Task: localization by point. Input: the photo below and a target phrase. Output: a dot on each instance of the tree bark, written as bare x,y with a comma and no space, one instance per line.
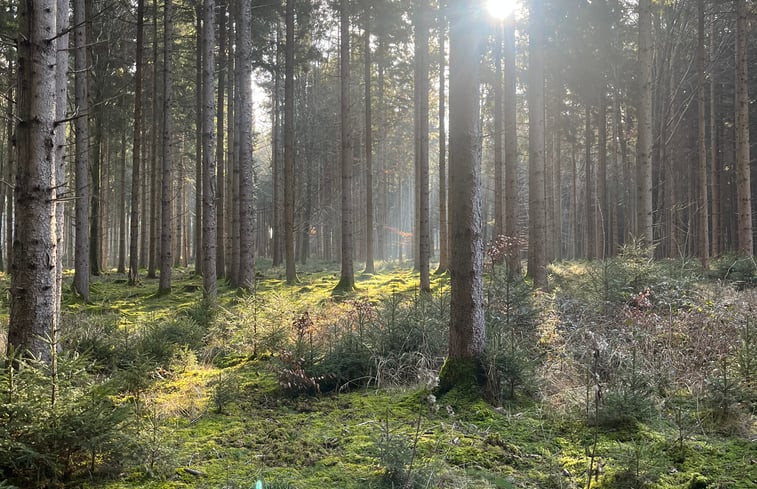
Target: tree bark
467,333
443,230
220,150
199,171
347,276
154,193
644,229
703,241
246,184
209,215
421,127
714,150
34,294
743,178
537,229
166,261
82,259
136,151
511,151
369,220
499,184
289,190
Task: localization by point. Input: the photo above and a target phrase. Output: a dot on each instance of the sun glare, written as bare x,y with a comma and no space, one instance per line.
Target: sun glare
501,9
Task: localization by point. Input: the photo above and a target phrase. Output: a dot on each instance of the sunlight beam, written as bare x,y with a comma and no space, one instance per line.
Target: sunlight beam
501,9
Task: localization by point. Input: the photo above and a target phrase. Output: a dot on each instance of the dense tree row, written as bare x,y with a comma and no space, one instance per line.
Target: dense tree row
636,116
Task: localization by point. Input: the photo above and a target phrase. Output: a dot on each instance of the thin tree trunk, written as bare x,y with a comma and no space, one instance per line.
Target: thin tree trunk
198,242
704,244
714,150
347,278
136,152
443,230
289,190
511,152
10,170
604,234
166,261
644,164
82,262
122,207
209,215
154,177
95,230
499,184
369,220
421,86
278,202
591,219
246,184
220,150
537,257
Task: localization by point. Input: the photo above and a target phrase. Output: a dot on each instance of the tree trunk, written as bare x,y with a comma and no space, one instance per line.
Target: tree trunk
443,231
136,152
591,218
220,150
537,230
122,207
199,169
10,170
347,278
82,262
422,186
154,193
166,261
704,244
644,230
714,150
743,179
604,234
499,184
369,221
246,184
95,229
209,215
34,295
467,334
511,151
289,190
276,160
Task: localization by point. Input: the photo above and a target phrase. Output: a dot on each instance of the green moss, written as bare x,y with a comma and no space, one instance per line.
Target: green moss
464,376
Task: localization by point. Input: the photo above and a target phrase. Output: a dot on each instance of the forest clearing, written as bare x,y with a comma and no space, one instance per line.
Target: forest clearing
298,387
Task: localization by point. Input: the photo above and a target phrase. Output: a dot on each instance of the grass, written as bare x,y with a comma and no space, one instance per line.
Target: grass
335,441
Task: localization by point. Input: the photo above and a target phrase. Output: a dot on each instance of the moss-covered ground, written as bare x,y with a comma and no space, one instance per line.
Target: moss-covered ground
229,424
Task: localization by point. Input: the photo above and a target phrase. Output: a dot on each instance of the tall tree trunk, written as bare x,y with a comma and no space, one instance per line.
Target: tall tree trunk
591,218
166,261
246,169
34,300
422,186
604,234
10,170
234,276
743,178
499,184
383,220
347,277
369,221
511,151
136,151
289,190
644,159
220,150
61,155
467,334
198,243
276,160
209,215
82,262
122,208
704,244
714,150
443,230
556,196
537,229
154,193
95,229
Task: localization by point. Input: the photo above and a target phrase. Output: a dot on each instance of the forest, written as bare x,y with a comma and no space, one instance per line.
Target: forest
283,244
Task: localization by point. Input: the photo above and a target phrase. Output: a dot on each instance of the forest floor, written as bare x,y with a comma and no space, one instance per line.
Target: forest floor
226,409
